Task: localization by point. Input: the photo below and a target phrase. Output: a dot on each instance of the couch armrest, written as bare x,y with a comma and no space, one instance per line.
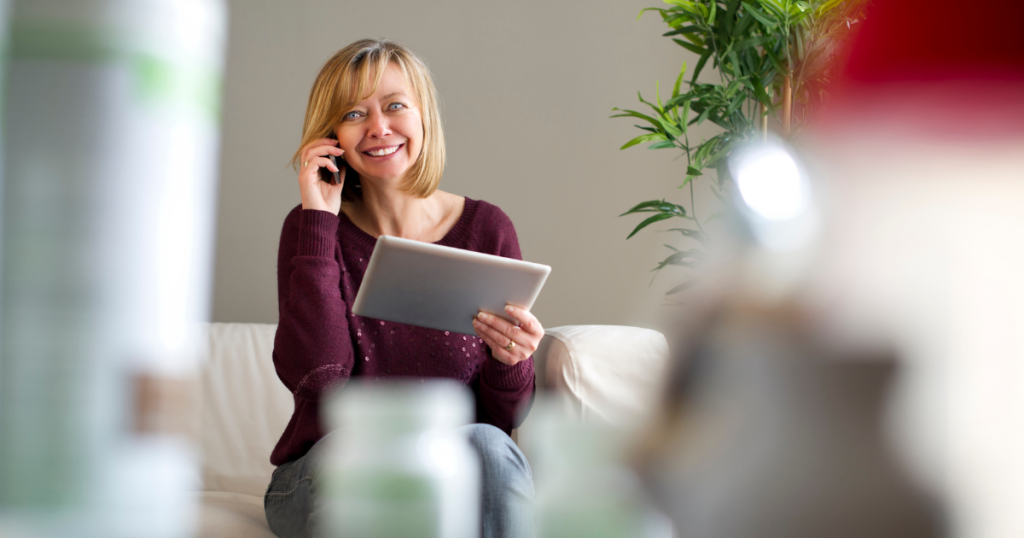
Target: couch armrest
609,373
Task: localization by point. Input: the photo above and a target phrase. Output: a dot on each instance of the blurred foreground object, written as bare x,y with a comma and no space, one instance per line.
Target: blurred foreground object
770,430
584,487
775,199
395,467
923,245
108,211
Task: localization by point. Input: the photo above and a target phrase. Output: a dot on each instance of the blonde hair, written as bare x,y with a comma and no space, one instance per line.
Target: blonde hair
353,74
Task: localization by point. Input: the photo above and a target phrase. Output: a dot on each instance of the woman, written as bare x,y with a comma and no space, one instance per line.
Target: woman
374,106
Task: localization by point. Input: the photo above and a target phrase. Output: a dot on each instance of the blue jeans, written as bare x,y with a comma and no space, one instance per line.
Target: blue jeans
506,507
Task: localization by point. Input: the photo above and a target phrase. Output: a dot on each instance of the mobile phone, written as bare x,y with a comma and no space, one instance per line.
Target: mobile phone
331,177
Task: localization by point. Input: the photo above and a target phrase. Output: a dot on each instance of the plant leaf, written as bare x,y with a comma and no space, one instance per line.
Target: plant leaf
700,65
682,258
719,196
636,114
715,216
732,6
703,116
662,145
761,17
643,138
655,206
649,9
744,25
648,221
751,42
679,80
684,286
690,47
693,234
641,98
691,29
775,59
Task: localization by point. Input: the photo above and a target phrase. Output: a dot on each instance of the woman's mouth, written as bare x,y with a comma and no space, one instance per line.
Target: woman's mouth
383,153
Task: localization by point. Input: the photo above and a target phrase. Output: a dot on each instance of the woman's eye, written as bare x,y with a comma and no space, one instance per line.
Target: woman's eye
393,104
350,116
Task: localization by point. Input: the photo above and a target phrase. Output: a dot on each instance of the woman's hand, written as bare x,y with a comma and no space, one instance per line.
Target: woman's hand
498,333
317,194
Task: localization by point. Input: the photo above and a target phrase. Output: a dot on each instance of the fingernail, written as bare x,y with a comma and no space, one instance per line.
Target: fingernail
481,315
509,308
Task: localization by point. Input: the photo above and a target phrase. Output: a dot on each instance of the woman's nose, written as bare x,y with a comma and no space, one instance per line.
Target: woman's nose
379,127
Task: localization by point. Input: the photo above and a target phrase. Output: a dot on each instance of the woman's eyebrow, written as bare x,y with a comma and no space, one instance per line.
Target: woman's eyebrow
389,96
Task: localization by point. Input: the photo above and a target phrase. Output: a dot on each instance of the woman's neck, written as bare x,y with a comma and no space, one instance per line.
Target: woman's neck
385,211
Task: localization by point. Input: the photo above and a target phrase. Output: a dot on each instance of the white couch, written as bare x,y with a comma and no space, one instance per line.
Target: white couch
599,372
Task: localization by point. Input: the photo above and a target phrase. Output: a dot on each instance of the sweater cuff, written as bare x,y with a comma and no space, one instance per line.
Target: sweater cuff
504,377
318,233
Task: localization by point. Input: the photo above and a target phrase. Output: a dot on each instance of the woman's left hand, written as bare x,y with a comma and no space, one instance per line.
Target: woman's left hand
510,343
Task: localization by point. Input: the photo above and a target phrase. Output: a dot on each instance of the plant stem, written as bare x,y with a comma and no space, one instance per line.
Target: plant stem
764,122
787,104
693,210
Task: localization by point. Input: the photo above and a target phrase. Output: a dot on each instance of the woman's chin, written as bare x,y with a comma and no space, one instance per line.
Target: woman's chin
385,175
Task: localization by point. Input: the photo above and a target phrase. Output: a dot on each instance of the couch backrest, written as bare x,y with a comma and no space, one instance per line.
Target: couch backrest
245,408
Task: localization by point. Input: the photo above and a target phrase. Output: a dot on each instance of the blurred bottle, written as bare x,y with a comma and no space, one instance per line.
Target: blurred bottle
771,428
107,234
395,466
584,487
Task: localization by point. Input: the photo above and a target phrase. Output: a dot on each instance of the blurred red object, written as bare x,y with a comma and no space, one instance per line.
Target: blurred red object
936,68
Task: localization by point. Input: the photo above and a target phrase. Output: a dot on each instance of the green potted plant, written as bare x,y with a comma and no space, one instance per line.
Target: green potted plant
774,59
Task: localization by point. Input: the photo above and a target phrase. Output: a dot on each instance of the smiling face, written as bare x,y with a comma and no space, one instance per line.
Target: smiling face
382,135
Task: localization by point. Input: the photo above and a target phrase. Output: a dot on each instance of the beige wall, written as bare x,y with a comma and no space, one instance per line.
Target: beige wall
527,88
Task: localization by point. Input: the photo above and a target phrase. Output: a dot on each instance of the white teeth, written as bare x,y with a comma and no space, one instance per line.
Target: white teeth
387,151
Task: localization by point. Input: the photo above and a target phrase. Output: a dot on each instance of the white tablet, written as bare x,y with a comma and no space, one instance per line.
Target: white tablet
443,288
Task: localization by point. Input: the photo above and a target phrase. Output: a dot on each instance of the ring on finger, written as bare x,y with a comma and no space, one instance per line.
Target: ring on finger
511,344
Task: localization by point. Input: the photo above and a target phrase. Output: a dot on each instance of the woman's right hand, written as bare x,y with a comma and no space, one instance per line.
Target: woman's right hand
317,194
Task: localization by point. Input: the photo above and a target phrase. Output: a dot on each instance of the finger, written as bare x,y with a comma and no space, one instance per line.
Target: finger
503,328
497,350
317,163
527,321
321,151
496,337
318,151
327,163
499,342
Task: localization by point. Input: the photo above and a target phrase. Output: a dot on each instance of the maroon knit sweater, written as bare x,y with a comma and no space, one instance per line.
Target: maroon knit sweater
320,344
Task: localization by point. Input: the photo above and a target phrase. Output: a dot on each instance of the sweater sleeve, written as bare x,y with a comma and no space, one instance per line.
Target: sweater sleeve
312,347
504,393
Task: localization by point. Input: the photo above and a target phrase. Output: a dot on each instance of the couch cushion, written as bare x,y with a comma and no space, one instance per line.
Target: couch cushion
245,408
232,515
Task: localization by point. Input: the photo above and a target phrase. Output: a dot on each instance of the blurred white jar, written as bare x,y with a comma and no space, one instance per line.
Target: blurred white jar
395,464
584,487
